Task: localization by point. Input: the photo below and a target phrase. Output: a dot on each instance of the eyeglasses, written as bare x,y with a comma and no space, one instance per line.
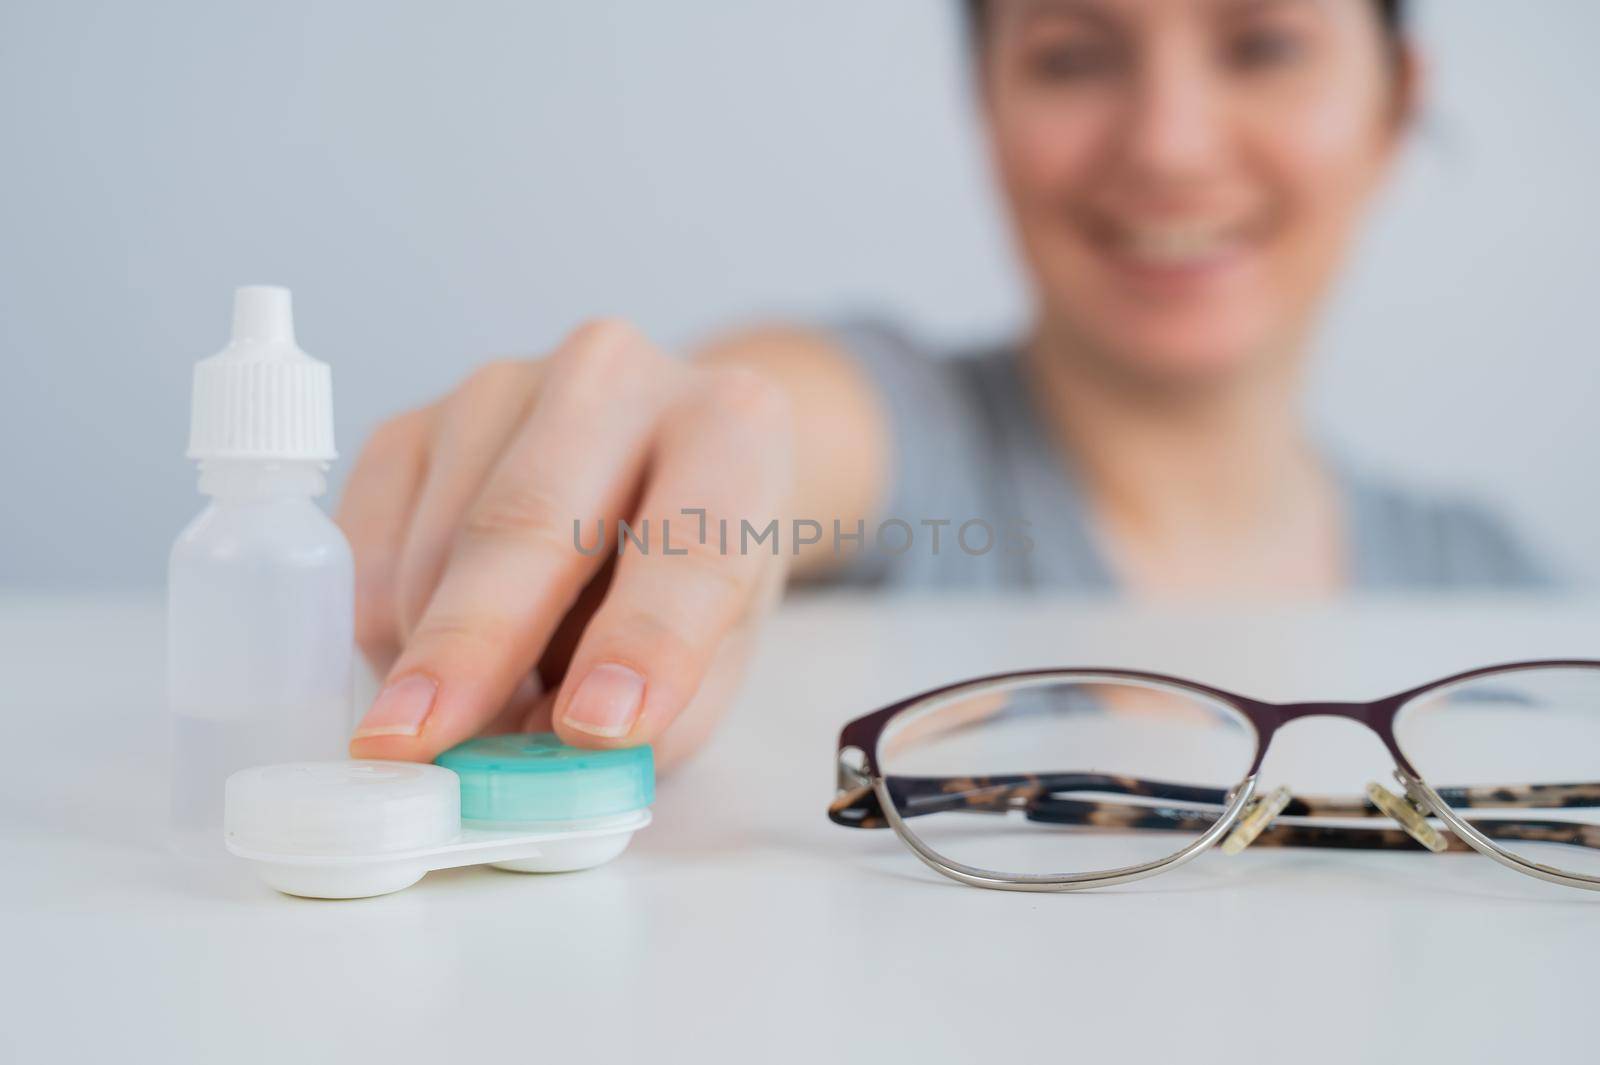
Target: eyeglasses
1062,779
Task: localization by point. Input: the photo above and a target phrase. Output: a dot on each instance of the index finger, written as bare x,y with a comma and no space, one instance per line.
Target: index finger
515,568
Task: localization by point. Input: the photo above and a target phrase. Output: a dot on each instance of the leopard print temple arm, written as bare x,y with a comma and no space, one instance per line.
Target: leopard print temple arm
1042,798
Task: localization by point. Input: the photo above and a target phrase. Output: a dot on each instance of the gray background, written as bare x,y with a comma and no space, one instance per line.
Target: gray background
444,183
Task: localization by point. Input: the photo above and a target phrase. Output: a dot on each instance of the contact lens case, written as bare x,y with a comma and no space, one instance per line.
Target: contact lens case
525,802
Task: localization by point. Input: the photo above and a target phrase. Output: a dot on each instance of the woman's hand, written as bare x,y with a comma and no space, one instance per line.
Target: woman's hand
472,594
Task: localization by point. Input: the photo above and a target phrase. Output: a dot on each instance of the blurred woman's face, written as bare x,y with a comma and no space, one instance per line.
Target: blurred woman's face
1184,174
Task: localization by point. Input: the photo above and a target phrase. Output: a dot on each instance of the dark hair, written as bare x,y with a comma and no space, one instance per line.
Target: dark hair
1391,13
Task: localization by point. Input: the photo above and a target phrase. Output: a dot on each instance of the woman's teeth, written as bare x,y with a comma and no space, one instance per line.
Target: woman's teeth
1177,245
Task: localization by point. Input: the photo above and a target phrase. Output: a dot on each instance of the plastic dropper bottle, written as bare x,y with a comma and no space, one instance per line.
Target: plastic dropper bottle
260,585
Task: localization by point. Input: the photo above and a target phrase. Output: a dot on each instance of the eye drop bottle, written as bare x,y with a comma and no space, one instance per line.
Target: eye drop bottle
260,585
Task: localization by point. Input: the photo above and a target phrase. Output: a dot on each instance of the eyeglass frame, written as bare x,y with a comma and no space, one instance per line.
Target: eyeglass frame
864,800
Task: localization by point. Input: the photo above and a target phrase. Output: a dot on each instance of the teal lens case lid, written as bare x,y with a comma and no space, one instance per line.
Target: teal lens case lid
531,777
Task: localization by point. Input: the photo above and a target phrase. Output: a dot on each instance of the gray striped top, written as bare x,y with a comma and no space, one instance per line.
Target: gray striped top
969,444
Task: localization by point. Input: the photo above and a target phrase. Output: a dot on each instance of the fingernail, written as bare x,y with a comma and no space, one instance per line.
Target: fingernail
607,702
401,708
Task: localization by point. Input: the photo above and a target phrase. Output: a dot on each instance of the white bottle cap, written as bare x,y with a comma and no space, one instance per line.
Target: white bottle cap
261,397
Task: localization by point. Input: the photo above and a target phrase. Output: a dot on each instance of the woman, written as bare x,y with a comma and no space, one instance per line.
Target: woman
1183,177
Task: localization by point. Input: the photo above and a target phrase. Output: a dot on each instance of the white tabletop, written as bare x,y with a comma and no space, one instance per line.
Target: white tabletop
744,926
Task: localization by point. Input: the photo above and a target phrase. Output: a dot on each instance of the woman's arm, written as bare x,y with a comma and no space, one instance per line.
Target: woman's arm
842,460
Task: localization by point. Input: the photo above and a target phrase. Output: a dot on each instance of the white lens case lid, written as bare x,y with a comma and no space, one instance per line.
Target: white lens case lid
360,828
342,808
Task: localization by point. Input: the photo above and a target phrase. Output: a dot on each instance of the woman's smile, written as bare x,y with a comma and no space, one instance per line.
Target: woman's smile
1173,257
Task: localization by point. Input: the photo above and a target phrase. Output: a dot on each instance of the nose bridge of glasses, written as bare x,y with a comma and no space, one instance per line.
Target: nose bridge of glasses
1377,716
1368,714
1409,810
